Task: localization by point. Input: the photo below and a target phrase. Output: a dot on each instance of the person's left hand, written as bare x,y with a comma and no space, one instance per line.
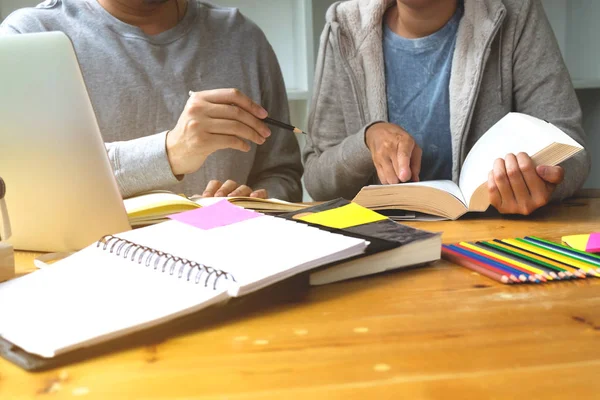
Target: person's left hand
516,186
230,189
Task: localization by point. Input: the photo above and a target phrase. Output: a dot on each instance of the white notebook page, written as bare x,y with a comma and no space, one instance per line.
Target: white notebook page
91,295
257,250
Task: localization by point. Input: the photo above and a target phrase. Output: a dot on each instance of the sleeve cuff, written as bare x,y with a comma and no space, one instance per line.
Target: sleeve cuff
357,155
142,165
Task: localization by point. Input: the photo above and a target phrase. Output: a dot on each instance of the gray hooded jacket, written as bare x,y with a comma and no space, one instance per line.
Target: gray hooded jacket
506,59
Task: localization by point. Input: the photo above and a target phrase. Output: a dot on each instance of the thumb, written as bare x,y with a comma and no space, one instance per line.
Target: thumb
553,175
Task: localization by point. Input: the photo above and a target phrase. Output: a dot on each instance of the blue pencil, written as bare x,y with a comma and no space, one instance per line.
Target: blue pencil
518,274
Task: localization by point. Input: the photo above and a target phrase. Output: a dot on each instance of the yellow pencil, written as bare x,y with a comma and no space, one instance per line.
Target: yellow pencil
589,269
536,271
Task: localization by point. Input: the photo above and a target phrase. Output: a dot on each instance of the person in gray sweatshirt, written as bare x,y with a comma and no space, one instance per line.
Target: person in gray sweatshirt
404,89
141,58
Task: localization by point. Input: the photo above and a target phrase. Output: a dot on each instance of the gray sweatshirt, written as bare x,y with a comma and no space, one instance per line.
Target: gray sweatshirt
506,59
139,85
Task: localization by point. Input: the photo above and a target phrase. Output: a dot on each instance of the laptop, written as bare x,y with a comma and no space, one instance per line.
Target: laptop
61,192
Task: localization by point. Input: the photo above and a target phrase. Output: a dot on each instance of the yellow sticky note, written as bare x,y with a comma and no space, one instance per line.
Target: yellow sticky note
344,217
578,242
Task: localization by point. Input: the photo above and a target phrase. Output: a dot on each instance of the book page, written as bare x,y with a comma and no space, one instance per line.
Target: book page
145,204
444,185
207,201
514,133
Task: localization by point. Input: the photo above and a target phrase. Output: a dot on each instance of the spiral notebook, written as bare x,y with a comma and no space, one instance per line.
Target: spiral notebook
145,277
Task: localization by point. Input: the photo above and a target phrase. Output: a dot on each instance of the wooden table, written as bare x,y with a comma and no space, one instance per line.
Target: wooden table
435,332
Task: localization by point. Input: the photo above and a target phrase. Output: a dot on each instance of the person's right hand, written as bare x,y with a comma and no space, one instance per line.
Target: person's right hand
214,120
395,154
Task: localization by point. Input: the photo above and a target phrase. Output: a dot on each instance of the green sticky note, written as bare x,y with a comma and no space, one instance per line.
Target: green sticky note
344,217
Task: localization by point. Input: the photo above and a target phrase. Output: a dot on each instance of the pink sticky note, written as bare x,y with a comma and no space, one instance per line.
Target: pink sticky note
219,214
593,245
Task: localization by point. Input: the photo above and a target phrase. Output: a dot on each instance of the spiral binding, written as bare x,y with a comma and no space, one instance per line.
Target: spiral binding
154,258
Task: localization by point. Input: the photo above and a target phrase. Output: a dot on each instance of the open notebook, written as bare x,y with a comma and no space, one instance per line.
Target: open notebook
137,279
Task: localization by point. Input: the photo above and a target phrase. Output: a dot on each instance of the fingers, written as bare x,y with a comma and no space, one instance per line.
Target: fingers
212,188
502,183
386,172
235,128
392,150
232,112
415,163
404,153
537,187
229,142
236,97
552,175
230,188
225,189
493,192
242,191
514,186
515,178
260,193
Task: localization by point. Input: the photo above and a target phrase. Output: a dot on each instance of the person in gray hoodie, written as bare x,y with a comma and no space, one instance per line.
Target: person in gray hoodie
404,88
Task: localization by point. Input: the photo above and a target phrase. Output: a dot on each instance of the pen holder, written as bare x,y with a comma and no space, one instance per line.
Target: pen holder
7,254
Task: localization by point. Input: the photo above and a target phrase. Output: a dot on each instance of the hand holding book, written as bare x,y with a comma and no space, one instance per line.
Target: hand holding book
546,146
517,186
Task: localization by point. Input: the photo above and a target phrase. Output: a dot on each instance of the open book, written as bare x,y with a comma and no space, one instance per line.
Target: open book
154,207
148,276
515,133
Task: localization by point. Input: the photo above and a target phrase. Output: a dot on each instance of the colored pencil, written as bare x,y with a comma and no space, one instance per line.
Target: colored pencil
580,255
542,252
491,264
549,252
506,260
549,269
474,265
518,261
569,270
561,269
519,273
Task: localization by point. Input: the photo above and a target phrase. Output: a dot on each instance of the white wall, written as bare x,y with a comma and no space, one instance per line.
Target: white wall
556,10
575,23
590,105
8,6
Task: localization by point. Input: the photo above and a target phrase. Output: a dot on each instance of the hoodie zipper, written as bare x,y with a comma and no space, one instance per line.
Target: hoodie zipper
488,49
353,81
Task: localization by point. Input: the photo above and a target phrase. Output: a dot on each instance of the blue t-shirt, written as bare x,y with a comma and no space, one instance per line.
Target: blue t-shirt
417,74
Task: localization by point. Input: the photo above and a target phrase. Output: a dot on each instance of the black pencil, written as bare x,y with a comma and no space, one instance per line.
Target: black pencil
283,125
274,122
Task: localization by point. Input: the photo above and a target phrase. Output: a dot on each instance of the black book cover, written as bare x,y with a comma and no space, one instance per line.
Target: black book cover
382,235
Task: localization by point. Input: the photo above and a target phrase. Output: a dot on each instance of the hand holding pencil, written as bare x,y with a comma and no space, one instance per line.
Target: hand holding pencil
213,120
